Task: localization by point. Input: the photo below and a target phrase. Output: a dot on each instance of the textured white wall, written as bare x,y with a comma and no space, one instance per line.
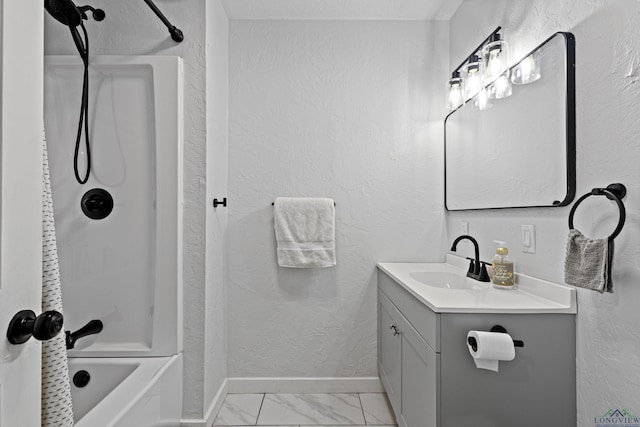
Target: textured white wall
349,110
215,368
608,130
371,10
132,28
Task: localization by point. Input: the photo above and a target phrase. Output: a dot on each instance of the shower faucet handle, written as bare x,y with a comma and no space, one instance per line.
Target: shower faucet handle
93,327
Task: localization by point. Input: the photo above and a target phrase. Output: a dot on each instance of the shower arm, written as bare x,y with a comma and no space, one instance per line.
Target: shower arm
176,34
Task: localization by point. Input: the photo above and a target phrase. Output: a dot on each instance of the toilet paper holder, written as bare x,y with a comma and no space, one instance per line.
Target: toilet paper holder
497,328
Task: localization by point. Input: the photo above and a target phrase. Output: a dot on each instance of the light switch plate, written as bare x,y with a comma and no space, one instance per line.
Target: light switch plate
529,239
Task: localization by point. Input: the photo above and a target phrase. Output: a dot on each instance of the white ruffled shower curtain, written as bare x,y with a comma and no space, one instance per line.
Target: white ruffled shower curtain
56,388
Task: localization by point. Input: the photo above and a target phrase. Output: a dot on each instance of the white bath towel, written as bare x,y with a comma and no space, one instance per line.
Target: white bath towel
305,232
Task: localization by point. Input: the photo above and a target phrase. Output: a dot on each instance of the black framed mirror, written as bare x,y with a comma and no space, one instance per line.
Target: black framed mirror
519,150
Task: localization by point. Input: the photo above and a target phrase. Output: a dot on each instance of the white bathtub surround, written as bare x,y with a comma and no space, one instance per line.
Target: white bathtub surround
57,410
124,270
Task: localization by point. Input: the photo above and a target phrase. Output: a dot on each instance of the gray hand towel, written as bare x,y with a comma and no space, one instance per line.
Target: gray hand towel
588,262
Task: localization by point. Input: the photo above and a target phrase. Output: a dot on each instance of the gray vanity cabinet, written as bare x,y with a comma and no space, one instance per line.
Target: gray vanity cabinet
389,349
432,381
419,369
408,368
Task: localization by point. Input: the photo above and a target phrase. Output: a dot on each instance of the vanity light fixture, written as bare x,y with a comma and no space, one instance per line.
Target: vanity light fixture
487,64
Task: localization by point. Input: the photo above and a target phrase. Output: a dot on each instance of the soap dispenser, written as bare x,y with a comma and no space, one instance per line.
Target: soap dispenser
503,277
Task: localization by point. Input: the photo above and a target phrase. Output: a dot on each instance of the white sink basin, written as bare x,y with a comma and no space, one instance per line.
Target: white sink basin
446,280
444,288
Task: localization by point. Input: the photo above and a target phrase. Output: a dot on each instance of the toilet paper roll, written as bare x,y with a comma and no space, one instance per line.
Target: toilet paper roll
491,348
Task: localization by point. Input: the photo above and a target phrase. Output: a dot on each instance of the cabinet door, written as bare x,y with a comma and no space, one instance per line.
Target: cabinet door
389,346
419,381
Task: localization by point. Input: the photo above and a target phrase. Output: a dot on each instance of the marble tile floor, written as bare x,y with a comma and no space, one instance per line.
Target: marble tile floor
305,410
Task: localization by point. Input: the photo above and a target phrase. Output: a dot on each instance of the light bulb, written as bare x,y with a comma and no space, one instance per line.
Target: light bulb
496,59
472,72
456,92
527,71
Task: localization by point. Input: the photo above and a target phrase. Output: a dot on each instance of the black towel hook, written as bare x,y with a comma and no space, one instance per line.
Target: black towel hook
615,192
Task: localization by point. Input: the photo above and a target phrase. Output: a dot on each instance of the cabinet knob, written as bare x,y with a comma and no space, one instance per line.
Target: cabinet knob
395,330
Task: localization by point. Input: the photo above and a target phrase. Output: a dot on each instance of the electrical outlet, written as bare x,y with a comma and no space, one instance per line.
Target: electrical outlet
528,239
464,227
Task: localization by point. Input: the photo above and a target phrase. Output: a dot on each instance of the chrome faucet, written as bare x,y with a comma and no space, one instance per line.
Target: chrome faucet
477,269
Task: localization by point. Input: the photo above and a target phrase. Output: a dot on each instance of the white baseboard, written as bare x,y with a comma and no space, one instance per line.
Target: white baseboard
304,385
212,411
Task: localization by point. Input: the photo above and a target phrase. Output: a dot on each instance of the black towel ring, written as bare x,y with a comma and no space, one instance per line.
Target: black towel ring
615,192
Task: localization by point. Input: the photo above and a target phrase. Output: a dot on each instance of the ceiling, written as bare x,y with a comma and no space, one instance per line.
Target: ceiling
412,10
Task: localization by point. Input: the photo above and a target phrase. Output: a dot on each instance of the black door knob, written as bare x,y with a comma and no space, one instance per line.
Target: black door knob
25,324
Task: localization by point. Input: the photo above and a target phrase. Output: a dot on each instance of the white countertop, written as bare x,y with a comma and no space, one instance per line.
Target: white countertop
531,295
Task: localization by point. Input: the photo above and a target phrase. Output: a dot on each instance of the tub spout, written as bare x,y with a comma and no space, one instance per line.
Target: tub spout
93,327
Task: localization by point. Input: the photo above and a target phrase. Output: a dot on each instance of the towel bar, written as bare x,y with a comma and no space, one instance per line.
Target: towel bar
615,192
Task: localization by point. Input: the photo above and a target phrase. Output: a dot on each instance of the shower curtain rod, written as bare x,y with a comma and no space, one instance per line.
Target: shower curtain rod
176,34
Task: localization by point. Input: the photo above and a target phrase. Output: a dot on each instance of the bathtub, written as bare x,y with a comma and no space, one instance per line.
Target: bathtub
128,392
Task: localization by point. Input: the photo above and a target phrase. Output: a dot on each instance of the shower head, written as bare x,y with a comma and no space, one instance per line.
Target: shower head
64,11
67,13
